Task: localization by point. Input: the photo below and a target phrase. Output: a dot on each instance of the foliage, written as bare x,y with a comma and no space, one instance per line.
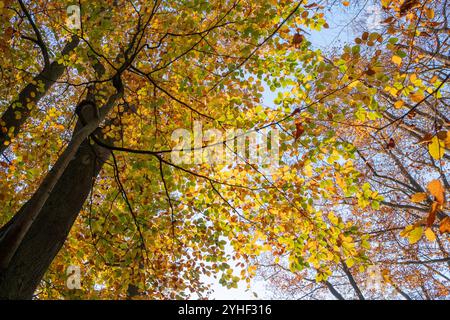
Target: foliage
364,140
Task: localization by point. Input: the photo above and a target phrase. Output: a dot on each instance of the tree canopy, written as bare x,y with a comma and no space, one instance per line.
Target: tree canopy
138,142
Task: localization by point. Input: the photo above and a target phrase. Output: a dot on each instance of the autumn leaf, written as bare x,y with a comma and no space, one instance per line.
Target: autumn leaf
391,144
297,39
437,190
299,130
417,96
436,148
432,214
419,197
429,234
407,5
398,104
430,13
413,233
397,60
444,136
426,138
444,226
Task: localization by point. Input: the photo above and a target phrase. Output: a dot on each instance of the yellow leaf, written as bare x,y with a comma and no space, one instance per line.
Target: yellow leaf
437,190
350,262
436,148
415,235
333,219
419,197
307,169
397,60
405,231
386,276
430,235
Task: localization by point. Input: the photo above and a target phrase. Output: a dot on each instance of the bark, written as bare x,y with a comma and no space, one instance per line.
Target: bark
49,231
10,124
14,235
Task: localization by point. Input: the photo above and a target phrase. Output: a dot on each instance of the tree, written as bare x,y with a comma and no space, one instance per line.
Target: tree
152,223
103,167
392,114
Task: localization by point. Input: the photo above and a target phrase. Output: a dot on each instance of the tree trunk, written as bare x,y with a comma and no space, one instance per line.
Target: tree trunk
10,124
48,232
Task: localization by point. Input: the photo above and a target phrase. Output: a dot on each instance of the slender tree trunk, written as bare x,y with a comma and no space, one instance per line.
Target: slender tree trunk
333,291
10,122
352,281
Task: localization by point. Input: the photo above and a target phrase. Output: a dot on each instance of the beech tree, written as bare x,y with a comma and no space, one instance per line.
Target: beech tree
87,117
103,169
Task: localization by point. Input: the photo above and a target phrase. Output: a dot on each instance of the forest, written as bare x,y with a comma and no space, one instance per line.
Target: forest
274,149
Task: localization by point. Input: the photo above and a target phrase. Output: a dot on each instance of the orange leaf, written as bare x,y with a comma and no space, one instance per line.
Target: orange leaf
398,104
444,227
419,197
437,190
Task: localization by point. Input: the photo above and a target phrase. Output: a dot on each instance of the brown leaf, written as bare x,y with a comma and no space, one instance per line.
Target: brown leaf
408,5
297,110
442,135
412,114
298,39
370,72
391,144
299,129
426,138
432,215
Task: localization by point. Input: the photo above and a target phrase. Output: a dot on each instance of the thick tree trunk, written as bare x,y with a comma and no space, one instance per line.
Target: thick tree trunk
50,229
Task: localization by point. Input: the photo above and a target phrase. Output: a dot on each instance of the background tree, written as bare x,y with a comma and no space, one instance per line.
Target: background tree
392,113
